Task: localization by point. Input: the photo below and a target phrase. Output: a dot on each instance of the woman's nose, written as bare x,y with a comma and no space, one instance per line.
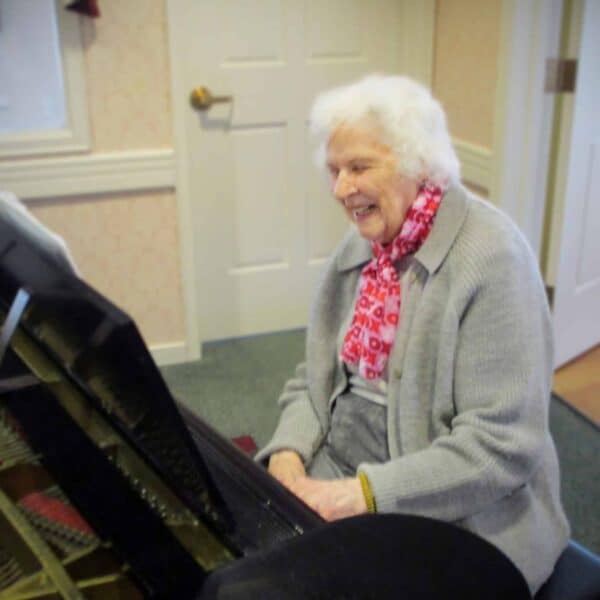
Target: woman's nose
344,186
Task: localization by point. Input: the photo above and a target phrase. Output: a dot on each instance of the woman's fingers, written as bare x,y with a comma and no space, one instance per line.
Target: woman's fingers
331,499
286,466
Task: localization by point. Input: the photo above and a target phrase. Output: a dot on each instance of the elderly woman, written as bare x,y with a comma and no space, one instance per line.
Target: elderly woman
429,350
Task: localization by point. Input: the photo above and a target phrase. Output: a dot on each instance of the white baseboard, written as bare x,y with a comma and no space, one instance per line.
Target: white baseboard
475,162
171,353
89,174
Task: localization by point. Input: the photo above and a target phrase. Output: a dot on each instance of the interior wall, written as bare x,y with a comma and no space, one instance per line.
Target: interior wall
126,59
127,67
127,244
465,70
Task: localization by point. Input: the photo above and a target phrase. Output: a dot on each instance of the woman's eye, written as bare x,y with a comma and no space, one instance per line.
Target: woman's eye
333,172
359,168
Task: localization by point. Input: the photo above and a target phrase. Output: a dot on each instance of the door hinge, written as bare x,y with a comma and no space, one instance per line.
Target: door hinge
561,75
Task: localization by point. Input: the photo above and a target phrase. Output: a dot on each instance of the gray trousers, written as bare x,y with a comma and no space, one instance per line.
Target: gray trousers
358,434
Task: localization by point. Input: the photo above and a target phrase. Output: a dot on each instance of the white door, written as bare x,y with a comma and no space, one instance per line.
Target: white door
262,218
577,287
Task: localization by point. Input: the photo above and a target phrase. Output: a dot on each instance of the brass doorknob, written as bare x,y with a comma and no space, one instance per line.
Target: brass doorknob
202,99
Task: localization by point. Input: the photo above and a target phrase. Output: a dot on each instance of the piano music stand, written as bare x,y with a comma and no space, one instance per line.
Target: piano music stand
11,376
12,320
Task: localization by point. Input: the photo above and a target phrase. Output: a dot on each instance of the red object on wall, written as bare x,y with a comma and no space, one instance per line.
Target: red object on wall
85,7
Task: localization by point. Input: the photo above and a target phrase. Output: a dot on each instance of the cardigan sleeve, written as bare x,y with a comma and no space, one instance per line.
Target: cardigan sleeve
299,428
501,389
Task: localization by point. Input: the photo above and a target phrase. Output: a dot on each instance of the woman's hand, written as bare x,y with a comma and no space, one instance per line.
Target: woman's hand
331,499
286,466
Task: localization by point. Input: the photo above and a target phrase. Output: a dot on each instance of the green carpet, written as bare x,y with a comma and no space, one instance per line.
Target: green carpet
236,384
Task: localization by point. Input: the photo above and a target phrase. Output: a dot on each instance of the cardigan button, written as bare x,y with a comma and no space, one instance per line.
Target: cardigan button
397,373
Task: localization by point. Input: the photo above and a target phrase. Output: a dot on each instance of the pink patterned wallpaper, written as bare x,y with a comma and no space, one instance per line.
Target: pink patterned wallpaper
127,247
128,81
127,244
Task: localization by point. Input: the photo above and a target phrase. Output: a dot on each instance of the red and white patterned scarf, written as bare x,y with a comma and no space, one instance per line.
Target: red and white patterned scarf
370,337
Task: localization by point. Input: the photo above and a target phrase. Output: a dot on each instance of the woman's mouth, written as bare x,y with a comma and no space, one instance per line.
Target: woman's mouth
363,211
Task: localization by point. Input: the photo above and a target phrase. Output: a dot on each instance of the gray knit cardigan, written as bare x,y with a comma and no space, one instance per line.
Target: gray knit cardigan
469,384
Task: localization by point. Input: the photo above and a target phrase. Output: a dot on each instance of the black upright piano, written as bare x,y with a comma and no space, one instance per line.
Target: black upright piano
111,489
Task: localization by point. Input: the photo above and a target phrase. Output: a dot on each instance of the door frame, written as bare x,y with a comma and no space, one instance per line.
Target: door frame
576,337
524,113
417,33
559,160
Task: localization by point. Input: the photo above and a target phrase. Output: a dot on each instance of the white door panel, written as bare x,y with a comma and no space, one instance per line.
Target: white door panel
263,219
577,289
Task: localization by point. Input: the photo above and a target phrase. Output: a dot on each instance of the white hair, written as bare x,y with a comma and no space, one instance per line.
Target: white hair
412,122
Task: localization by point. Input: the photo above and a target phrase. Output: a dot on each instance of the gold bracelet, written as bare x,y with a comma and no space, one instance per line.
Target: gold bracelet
367,492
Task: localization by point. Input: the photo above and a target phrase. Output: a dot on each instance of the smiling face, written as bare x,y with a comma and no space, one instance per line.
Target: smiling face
364,179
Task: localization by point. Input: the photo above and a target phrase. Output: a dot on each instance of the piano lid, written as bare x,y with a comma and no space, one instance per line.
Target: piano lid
99,349
104,403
